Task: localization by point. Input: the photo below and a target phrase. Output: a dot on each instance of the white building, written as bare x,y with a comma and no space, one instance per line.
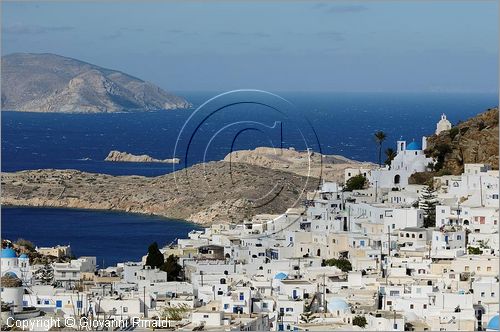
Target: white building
410,159
443,124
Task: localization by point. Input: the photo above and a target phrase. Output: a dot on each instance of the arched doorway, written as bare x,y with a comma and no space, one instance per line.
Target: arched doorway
397,179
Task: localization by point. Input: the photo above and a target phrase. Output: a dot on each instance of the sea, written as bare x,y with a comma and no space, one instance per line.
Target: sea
330,123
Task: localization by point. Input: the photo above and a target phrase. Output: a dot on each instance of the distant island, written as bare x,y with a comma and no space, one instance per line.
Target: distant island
53,83
144,158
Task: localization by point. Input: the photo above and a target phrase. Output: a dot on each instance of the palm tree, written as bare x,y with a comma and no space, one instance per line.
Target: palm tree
390,154
380,137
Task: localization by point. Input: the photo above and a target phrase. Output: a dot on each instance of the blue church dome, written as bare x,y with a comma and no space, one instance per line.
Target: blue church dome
413,146
493,323
10,274
23,256
280,276
8,253
337,304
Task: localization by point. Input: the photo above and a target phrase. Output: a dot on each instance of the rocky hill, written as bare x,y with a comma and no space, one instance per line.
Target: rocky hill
327,167
471,141
204,193
53,83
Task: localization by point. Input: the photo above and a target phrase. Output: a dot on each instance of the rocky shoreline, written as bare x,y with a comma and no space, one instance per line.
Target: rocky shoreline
118,156
214,192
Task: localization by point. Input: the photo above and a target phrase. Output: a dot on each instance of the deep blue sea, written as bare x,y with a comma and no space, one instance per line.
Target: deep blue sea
332,123
111,236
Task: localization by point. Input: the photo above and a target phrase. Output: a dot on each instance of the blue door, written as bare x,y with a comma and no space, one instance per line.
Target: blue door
58,304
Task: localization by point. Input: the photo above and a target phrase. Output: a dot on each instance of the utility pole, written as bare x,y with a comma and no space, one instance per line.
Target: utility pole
481,190
144,300
381,253
324,294
389,253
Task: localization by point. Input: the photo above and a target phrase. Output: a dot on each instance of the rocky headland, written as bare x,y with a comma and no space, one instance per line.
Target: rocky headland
118,156
53,83
204,193
304,163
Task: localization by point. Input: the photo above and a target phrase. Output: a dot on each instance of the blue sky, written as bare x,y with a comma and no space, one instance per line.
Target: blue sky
426,46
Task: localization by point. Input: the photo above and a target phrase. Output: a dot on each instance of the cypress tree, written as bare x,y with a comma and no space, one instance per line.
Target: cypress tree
428,201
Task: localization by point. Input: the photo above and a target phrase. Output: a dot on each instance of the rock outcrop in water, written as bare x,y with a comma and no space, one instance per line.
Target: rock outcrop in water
53,83
144,158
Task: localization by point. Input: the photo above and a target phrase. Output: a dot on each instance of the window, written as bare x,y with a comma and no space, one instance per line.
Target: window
467,268
411,306
125,309
46,302
482,294
488,269
63,274
79,304
242,296
459,237
226,305
74,274
425,306
264,305
205,316
389,302
420,236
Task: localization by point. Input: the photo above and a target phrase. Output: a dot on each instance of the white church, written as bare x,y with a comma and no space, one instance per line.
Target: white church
410,159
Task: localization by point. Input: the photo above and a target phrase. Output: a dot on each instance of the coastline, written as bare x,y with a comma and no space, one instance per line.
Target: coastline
141,214
202,194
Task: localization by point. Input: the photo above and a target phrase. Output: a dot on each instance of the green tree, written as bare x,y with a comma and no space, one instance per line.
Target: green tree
355,183
172,267
390,154
174,313
380,137
474,251
427,202
342,263
359,321
45,274
26,244
155,257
